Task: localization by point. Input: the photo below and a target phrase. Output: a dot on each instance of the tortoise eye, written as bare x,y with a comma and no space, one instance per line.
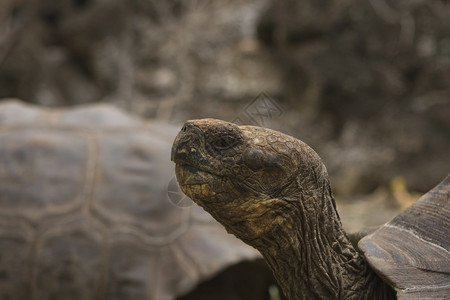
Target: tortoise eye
224,142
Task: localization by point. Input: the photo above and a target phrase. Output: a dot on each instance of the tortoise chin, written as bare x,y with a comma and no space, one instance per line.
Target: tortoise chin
194,182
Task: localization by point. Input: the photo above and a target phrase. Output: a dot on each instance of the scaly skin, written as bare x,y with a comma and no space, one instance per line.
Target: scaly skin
272,191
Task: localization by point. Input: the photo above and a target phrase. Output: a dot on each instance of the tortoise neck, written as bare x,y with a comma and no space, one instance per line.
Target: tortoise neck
312,257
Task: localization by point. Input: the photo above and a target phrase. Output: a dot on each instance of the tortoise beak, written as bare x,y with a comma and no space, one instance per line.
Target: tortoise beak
176,150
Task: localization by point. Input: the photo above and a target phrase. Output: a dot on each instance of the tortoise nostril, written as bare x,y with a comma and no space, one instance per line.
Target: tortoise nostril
186,127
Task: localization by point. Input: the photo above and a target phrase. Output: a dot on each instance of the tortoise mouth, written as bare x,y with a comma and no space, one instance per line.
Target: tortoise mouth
189,175
197,184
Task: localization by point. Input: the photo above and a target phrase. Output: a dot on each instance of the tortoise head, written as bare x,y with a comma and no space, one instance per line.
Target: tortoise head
243,175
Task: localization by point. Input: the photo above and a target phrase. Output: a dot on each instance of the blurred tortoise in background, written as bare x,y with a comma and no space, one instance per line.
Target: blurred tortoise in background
84,214
272,191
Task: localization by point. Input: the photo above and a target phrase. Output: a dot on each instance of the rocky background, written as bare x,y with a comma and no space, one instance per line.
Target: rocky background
366,83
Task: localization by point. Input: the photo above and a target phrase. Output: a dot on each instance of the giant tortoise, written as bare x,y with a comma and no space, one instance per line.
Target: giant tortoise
272,191
84,213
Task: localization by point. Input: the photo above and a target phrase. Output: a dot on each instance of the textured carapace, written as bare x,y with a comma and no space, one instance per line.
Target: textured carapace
84,212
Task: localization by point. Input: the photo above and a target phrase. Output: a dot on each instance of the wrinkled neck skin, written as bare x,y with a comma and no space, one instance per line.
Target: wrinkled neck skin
310,253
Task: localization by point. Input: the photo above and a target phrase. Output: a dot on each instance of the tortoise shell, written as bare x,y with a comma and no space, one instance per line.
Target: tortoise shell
84,211
412,251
